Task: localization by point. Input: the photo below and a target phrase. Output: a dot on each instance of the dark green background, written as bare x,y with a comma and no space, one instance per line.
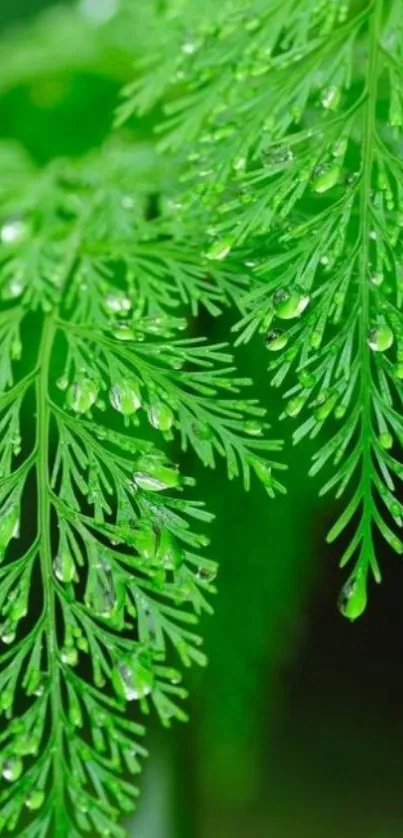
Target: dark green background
297,729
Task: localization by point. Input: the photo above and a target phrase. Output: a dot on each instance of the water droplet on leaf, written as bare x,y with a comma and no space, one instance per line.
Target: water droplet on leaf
14,231
276,340
386,441
353,596
219,250
35,800
12,769
133,682
125,397
64,567
380,339
290,303
69,655
327,178
117,303
160,416
82,395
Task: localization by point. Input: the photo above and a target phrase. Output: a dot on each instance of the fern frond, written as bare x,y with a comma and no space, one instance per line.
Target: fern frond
294,111
101,581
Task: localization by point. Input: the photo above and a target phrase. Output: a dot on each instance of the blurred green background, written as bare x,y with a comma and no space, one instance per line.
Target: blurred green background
296,727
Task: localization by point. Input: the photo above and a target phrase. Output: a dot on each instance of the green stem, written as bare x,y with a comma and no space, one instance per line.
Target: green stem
45,550
365,291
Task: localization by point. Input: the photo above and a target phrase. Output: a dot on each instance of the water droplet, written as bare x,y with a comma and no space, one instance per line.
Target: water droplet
386,441
154,476
399,371
207,574
294,406
14,231
219,250
133,682
290,303
145,541
9,525
35,800
340,411
253,428
353,596
64,567
331,98
13,290
69,655
169,553
8,633
125,397
326,179
62,383
128,203
124,332
324,406
380,339
189,48
263,472
82,395
12,769
377,278
276,340
160,416
117,303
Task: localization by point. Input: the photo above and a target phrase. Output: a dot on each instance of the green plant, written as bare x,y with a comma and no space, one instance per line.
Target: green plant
282,198
287,119
108,576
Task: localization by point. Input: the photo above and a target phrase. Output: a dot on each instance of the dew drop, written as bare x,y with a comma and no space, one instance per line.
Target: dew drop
353,596
125,397
124,332
35,800
14,231
117,303
13,290
69,655
290,303
160,416
219,250
9,525
253,428
380,339
8,634
154,476
386,441
294,406
276,340
326,179
377,279
64,568
62,383
331,98
169,553
82,395
133,682
12,769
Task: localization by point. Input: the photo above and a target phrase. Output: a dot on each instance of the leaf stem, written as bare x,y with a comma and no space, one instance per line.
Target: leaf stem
45,552
364,287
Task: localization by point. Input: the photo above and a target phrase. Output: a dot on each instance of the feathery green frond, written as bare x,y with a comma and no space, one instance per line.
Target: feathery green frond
288,120
95,375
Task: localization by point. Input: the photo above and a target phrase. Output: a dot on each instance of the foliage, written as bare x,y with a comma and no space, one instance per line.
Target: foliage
287,121
101,573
